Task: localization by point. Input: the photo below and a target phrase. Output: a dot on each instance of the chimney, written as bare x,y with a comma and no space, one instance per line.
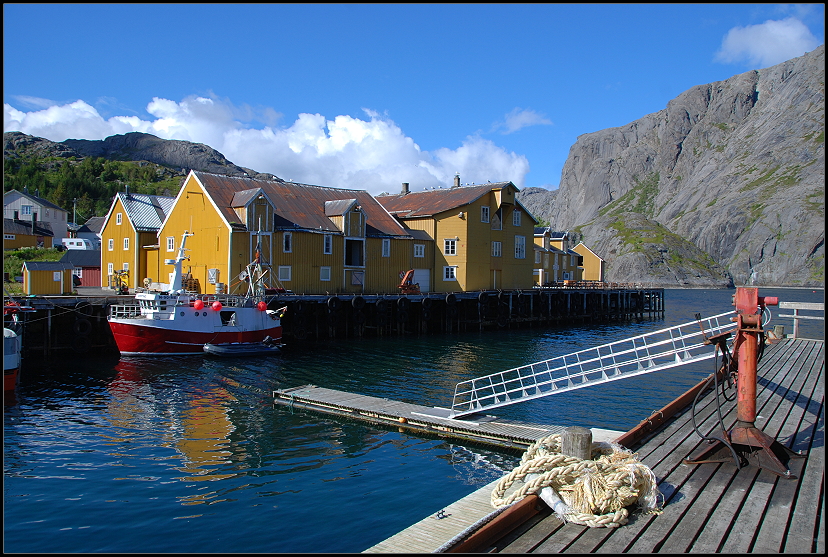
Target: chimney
457,180
404,189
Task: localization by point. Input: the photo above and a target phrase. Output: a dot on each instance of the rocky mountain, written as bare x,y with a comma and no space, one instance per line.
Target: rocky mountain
179,156
724,186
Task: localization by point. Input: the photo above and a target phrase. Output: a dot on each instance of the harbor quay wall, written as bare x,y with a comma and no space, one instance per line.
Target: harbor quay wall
77,325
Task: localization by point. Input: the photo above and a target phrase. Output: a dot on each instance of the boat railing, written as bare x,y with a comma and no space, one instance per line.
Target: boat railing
124,310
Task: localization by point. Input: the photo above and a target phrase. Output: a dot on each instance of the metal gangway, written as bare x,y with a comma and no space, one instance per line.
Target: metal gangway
655,351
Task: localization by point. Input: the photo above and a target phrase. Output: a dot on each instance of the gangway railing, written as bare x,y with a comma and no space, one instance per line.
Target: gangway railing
654,351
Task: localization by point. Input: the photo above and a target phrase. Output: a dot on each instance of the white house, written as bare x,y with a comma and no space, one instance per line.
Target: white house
23,206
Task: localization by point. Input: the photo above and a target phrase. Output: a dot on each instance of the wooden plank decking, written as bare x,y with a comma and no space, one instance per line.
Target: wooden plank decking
714,508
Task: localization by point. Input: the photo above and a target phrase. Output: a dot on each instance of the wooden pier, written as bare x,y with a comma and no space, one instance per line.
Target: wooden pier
708,508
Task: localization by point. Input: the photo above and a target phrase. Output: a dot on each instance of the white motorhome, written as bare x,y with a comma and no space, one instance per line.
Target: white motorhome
76,243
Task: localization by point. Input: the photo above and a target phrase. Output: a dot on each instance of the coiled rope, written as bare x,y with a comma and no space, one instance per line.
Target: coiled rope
594,493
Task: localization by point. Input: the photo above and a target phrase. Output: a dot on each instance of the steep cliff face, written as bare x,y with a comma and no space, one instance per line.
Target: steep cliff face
736,168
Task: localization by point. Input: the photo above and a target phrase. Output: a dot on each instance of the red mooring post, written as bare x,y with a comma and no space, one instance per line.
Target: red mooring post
745,443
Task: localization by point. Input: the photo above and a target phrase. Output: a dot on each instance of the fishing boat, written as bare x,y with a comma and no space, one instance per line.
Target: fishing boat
234,349
175,321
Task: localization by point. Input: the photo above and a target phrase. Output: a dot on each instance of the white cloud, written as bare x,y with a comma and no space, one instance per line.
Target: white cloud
767,44
521,118
370,154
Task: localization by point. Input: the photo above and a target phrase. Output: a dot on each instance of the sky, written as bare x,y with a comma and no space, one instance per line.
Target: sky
368,96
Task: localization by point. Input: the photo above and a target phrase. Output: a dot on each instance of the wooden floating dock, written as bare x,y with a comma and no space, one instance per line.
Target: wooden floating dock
485,430
708,508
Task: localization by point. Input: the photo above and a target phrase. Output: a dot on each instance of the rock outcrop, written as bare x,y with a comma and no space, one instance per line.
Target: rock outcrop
736,168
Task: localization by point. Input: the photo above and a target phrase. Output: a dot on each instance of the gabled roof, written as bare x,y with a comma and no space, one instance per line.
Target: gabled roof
338,207
46,265
82,258
145,212
35,199
94,225
297,206
432,202
22,227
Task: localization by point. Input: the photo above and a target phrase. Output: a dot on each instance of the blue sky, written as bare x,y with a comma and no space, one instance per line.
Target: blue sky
367,96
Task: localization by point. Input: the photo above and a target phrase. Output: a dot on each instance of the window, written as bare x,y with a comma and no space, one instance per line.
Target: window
520,247
516,217
450,272
56,276
26,210
386,247
110,244
497,249
450,246
110,269
287,242
284,273
170,243
419,250
126,267
484,214
325,273
118,218
327,244
8,236
537,257
126,243
78,273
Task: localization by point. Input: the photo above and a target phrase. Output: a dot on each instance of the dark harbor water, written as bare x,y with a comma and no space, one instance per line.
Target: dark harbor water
189,454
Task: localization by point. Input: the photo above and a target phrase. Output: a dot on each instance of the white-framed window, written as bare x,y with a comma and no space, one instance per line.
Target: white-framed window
287,242
118,218
126,267
497,249
170,243
386,247
419,250
537,257
484,214
78,273
110,268
327,244
450,246
520,247
450,272
126,243
284,273
26,210
516,217
324,273
110,244
56,276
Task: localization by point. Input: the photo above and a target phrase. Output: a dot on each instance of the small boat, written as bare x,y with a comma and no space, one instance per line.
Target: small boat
11,359
175,321
265,348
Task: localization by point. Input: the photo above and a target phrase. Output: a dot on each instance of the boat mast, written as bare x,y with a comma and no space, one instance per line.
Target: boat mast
176,281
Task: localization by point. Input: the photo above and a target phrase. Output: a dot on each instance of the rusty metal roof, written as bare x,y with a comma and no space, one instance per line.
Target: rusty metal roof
432,202
299,206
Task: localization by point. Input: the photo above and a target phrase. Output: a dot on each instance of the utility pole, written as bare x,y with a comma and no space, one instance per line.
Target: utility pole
75,211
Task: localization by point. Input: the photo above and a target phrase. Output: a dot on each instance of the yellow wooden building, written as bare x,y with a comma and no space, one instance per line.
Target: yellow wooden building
592,264
316,240
45,278
555,261
129,237
482,235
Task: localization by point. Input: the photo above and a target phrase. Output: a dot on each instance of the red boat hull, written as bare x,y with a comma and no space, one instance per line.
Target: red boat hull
144,339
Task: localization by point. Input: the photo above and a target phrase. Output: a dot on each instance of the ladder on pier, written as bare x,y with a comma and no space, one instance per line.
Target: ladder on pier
655,351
